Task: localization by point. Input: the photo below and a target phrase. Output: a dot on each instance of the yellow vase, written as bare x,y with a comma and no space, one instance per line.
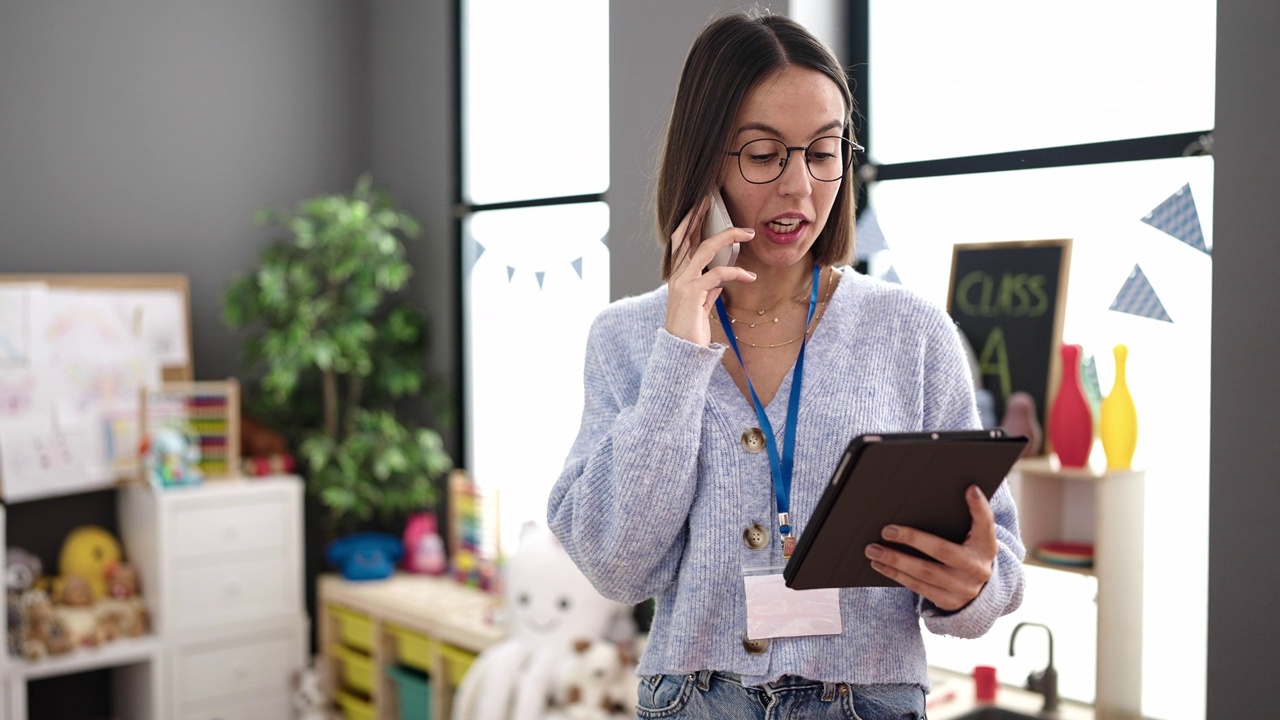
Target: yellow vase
1119,423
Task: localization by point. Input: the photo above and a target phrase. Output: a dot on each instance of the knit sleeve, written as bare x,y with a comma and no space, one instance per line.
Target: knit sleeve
949,404
621,505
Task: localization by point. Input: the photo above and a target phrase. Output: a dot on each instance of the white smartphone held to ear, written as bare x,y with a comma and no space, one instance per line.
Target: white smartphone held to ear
717,220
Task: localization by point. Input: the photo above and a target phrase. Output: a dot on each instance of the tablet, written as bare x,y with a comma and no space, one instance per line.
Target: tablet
912,479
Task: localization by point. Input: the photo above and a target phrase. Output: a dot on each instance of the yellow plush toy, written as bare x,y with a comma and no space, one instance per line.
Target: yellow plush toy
88,552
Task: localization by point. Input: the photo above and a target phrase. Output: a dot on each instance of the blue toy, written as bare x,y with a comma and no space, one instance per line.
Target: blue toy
365,556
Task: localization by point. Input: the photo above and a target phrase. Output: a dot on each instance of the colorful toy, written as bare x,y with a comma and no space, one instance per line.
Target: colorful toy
42,633
76,610
123,613
171,458
88,551
549,604
423,547
206,413
365,556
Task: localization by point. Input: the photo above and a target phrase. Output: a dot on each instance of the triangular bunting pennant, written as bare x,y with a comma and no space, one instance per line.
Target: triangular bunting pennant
1177,216
511,272
868,238
1137,297
472,252
1092,388
540,275
577,267
891,275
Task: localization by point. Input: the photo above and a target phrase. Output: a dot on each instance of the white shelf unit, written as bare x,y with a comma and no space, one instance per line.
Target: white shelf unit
1105,508
221,571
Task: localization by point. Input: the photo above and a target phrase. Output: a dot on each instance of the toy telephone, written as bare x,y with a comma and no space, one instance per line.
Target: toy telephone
717,220
365,556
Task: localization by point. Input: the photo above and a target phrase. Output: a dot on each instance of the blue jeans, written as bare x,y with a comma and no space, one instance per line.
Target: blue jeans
711,695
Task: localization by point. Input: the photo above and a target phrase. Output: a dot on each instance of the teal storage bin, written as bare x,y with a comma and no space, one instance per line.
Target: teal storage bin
414,692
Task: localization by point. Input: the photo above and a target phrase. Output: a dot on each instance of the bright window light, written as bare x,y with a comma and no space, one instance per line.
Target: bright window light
957,79
1101,208
536,279
535,99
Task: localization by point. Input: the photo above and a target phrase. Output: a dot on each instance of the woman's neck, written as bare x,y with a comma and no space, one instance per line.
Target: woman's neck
772,286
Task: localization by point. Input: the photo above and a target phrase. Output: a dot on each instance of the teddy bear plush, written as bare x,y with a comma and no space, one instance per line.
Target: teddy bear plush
591,683
310,699
78,612
42,632
122,613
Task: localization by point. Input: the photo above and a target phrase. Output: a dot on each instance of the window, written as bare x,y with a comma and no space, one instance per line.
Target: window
1003,120
534,165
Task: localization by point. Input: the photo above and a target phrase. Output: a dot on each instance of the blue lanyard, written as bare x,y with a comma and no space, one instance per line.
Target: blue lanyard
781,466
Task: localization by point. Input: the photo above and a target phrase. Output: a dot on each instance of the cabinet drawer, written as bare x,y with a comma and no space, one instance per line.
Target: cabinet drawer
251,524
274,707
212,593
235,672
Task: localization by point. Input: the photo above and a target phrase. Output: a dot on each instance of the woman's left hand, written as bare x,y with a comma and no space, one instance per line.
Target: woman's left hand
961,570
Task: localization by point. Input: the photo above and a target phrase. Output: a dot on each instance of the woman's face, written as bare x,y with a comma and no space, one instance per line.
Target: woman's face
796,105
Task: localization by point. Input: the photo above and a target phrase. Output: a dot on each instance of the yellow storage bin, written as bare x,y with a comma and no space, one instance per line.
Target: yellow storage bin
456,662
355,708
357,668
413,649
354,629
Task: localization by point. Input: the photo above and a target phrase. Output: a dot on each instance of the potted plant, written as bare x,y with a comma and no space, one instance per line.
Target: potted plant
336,350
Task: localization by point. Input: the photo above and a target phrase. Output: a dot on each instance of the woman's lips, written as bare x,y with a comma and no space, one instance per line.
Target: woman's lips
785,231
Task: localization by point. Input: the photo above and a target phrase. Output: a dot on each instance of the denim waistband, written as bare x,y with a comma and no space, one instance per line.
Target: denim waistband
785,683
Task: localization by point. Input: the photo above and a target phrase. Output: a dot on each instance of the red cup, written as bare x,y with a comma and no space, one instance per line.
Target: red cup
984,683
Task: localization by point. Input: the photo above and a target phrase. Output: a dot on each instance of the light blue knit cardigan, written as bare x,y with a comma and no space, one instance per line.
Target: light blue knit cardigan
658,488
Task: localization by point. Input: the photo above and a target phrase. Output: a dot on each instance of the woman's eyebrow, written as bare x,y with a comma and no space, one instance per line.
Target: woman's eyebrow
766,128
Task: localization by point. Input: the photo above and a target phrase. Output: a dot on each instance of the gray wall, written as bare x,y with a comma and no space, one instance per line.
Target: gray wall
141,135
1244,494
411,79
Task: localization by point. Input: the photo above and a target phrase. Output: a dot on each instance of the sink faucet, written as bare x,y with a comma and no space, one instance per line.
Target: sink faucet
1045,681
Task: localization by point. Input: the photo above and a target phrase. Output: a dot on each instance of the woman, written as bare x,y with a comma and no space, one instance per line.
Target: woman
679,487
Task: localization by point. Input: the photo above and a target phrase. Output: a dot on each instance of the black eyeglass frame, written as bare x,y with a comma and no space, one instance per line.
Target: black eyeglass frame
782,162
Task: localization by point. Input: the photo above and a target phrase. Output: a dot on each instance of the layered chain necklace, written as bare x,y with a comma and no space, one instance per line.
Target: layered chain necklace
795,303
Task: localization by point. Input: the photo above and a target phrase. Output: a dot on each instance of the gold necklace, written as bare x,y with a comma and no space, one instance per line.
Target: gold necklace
734,321
831,286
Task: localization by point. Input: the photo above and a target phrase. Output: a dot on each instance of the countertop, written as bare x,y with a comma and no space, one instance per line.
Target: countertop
953,696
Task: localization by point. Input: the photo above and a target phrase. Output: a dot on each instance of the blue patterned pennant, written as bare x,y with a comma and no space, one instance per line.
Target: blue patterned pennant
1137,297
891,275
577,267
869,240
1177,216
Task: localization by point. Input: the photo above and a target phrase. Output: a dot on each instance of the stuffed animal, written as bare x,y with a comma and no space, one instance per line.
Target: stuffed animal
310,698
423,548
88,551
549,604
77,611
123,613
265,451
172,457
21,570
42,633
585,681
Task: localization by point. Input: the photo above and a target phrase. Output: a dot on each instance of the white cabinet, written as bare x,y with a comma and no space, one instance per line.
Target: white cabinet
1105,509
230,604
221,571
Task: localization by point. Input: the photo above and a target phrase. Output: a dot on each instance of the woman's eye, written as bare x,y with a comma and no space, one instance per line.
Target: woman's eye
763,159
821,157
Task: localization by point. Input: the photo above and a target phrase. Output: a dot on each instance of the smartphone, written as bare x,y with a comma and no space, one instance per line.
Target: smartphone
716,220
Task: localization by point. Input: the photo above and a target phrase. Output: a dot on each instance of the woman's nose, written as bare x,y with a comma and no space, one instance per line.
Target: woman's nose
795,178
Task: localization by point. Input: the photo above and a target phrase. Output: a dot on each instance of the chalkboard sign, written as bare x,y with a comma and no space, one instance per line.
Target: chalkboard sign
1008,300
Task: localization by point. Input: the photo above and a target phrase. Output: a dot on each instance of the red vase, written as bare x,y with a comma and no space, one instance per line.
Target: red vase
1070,418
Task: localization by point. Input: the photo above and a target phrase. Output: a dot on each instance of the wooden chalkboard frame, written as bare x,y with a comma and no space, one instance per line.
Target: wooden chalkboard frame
978,330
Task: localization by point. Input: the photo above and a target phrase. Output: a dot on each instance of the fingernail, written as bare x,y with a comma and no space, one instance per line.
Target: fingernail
874,551
891,532
753,275
750,231
974,491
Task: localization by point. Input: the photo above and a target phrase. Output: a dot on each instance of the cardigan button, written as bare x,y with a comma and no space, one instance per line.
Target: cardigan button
756,536
754,647
753,440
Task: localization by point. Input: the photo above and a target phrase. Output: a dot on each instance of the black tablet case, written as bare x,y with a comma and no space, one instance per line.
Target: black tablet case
911,479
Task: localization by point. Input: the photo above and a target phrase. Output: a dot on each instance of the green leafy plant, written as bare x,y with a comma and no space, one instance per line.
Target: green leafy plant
335,350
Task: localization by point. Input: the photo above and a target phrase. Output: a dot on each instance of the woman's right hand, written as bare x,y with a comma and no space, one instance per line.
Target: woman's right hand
691,293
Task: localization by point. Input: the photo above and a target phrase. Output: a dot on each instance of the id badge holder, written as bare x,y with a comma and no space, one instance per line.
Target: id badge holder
775,610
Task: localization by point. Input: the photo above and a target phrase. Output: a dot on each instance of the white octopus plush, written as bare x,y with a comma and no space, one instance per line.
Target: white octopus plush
549,604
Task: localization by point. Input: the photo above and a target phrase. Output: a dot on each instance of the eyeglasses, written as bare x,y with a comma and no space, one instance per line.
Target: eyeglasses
762,161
